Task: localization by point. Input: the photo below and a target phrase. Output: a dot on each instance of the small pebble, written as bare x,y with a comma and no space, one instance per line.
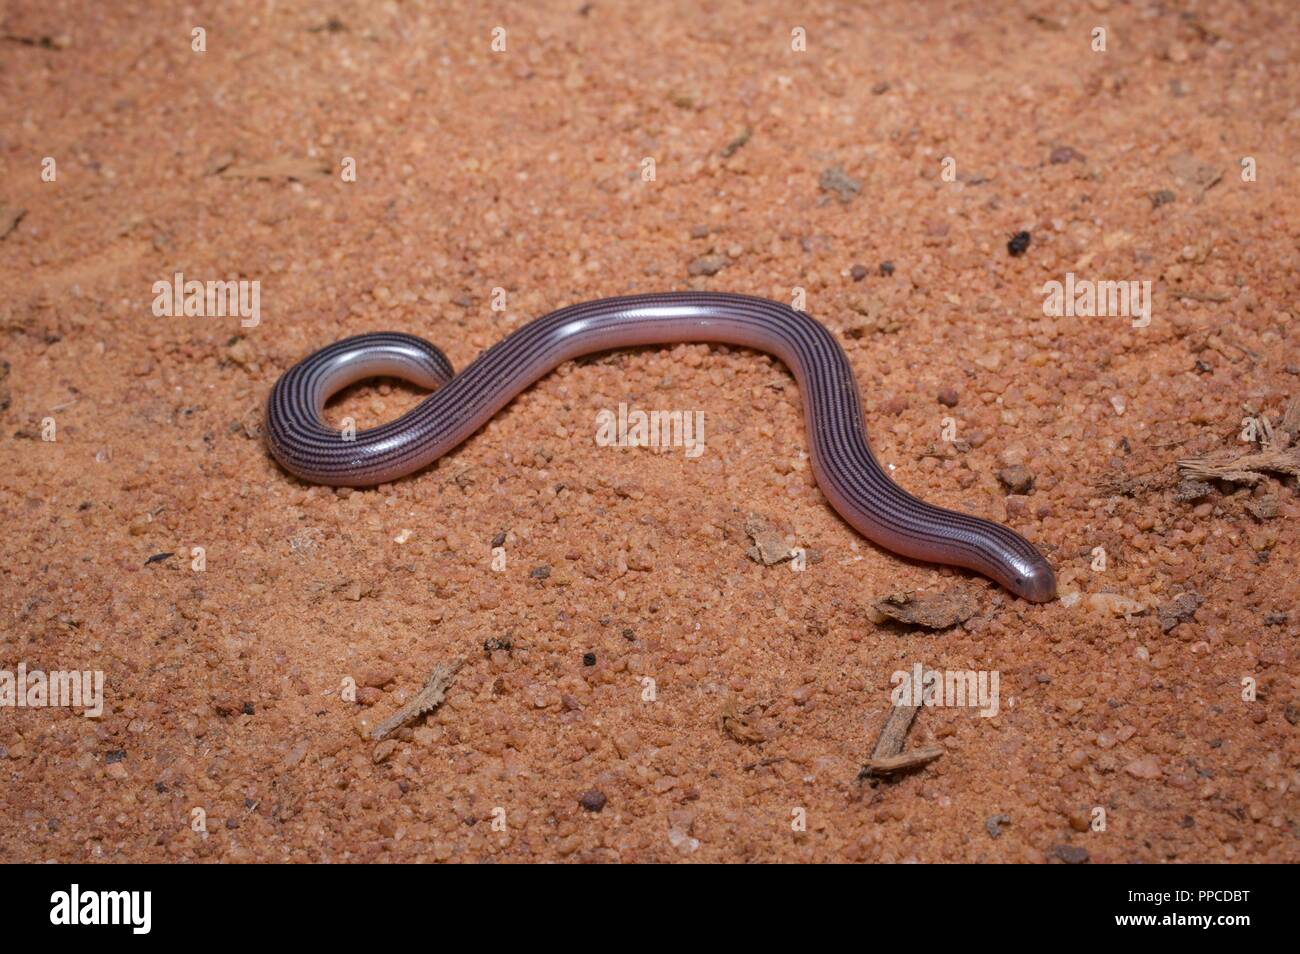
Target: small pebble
707,265
592,800
1071,854
993,824
1016,479
378,676
1146,768
1161,197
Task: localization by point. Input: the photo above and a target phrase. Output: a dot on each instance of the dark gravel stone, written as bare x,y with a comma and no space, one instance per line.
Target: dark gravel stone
1071,854
993,824
1016,479
592,800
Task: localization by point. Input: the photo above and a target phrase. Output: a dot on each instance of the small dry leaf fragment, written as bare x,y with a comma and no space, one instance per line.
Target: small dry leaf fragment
933,611
741,726
898,764
769,546
888,758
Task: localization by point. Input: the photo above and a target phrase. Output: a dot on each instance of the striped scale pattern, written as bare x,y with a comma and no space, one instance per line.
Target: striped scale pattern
846,470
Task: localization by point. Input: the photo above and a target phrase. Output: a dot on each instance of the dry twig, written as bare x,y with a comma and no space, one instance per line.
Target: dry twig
888,758
1278,453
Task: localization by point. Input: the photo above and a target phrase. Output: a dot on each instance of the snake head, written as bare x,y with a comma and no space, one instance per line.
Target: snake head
1035,582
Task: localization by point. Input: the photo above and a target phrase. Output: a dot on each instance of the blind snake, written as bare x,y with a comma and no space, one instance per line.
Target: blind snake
845,468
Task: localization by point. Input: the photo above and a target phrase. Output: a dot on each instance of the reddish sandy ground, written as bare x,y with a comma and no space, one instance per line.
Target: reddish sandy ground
775,169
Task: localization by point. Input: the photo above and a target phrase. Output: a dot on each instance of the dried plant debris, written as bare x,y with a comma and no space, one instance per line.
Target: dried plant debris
888,758
769,546
44,41
933,610
1190,490
731,148
893,734
426,700
1121,483
332,25
836,180
1278,453
10,216
741,725
900,764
